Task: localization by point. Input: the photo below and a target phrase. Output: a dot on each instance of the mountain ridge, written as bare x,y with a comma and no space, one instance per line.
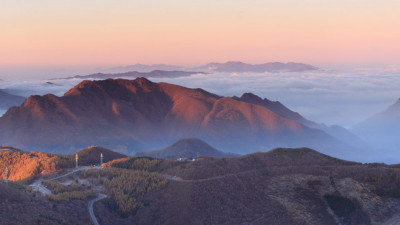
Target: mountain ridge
130,74
336,131
140,114
382,130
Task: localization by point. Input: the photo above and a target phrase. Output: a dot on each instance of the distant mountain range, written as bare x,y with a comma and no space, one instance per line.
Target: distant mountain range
142,68
162,70
238,67
230,66
383,130
188,148
7,100
133,115
134,74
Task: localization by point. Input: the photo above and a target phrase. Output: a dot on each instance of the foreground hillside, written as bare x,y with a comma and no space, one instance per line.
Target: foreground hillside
282,186
20,207
132,115
23,165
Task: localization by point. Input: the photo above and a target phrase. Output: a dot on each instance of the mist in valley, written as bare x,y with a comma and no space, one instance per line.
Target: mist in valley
327,96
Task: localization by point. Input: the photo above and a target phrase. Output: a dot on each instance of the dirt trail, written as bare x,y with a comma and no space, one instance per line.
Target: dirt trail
37,185
179,179
90,207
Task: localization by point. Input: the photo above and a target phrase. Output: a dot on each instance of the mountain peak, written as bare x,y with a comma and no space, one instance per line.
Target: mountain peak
186,148
252,98
139,114
96,86
392,110
234,63
143,82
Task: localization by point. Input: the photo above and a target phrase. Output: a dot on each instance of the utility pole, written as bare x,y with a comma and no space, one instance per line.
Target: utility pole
6,175
76,159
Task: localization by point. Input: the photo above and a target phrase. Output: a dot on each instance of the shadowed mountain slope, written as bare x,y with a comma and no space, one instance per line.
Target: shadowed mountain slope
139,114
383,130
7,100
335,131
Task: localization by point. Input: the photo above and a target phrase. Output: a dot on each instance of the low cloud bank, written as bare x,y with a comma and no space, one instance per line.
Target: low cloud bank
343,97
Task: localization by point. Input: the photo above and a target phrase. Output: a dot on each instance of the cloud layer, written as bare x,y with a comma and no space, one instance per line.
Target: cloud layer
343,97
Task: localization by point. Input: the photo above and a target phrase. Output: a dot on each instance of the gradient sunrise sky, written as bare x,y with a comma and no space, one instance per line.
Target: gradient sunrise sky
118,32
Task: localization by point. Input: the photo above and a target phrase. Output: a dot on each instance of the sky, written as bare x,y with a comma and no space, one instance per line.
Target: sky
44,39
120,32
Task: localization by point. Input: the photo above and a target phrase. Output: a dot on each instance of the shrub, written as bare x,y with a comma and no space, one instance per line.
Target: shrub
125,186
139,163
386,184
57,188
73,195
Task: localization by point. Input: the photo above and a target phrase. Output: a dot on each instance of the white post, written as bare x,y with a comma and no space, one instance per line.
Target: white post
76,159
6,175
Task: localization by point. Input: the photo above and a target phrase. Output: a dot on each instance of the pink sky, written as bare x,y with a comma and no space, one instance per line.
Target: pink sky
105,32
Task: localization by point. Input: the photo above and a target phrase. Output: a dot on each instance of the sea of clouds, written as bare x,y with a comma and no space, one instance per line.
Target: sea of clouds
327,96
330,96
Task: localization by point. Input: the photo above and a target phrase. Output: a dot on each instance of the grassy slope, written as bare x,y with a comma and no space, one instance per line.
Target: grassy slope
283,186
23,165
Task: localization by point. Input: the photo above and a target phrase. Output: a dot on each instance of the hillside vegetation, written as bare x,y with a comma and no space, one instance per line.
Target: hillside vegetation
127,186
282,186
22,165
20,207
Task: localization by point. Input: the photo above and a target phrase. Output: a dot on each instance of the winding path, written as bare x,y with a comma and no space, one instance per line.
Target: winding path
90,206
179,179
37,185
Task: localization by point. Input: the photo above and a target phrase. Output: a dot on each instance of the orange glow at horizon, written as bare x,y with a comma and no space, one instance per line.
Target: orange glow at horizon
50,32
